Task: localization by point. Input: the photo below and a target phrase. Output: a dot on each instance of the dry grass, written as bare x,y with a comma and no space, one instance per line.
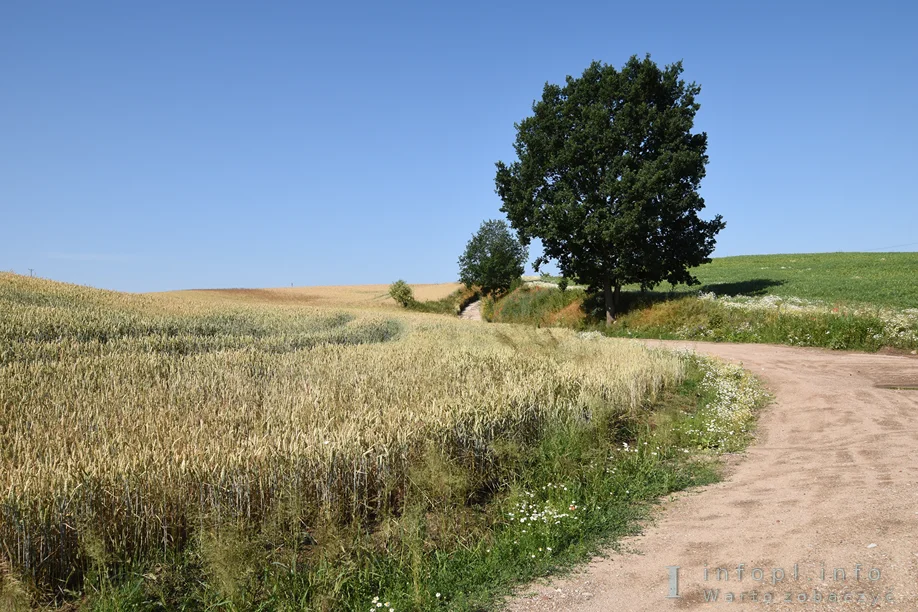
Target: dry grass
127,419
571,315
375,296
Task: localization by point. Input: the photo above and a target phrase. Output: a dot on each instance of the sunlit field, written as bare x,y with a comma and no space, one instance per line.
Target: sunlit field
130,423
367,296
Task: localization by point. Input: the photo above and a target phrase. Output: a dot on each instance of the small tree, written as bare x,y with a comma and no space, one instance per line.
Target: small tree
493,258
401,292
608,176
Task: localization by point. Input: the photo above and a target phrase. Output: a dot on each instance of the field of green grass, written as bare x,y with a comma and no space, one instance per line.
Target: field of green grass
880,279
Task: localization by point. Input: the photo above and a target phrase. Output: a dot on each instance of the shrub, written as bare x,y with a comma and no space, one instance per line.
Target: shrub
401,292
487,308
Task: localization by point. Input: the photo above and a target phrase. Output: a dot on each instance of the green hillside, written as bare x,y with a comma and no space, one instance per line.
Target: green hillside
882,279
860,301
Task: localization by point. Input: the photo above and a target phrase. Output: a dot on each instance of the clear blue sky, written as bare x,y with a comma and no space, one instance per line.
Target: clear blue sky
159,145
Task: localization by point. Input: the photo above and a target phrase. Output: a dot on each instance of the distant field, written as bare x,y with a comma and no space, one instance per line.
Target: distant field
882,279
332,295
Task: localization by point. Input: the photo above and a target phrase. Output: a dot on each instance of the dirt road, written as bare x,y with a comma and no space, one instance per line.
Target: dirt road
472,312
824,505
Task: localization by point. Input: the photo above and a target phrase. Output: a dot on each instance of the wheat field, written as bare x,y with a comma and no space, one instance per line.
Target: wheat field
351,296
128,420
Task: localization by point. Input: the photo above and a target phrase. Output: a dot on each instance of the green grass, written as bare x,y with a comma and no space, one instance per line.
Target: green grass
881,279
854,301
691,318
533,305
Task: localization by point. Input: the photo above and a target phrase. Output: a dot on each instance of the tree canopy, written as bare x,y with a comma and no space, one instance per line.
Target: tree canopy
607,178
493,258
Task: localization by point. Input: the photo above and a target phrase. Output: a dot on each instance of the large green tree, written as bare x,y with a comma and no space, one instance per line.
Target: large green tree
493,258
607,178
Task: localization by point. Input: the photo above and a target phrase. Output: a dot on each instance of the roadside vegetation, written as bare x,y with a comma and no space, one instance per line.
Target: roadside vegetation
541,305
855,301
451,304
168,453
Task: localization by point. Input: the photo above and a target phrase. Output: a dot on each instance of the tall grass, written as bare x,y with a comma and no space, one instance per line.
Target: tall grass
765,317
771,319
132,423
537,305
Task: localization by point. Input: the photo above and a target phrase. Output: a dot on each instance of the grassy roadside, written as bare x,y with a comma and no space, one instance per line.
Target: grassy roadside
852,301
555,502
768,319
793,322
451,304
537,305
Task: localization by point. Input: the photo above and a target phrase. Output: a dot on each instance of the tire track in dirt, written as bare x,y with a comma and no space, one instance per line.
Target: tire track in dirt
830,483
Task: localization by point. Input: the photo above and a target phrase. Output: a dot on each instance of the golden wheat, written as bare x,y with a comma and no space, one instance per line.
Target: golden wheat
125,418
361,296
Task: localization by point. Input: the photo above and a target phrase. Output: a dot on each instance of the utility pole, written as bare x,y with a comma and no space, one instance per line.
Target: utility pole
31,272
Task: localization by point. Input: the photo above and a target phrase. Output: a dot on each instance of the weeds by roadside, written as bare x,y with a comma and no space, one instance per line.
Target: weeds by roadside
450,305
706,316
539,305
772,320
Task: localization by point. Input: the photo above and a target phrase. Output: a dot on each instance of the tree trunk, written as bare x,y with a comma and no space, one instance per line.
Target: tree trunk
612,297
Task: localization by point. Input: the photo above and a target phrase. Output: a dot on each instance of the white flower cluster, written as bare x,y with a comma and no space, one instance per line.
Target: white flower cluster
547,513
900,326
726,420
376,605
764,302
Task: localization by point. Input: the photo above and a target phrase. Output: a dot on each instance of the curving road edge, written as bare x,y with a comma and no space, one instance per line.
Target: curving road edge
824,504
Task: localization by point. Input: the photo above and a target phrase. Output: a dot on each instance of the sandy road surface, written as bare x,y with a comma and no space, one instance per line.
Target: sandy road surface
472,312
831,482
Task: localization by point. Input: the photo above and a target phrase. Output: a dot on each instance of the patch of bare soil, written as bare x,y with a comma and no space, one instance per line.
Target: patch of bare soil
822,514
472,312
